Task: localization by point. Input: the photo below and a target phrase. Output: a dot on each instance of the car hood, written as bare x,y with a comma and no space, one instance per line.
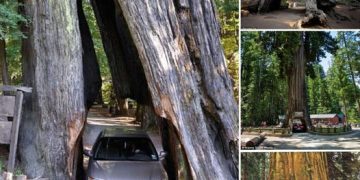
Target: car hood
108,170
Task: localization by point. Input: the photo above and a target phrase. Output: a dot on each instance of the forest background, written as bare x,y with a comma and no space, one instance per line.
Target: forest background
264,87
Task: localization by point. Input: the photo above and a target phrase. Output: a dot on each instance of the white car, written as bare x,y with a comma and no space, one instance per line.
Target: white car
124,154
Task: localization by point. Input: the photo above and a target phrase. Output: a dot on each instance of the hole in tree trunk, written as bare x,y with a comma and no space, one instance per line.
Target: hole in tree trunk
130,94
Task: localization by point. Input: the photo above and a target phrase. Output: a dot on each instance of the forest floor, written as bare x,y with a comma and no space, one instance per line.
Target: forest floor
98,118
349,141
288,18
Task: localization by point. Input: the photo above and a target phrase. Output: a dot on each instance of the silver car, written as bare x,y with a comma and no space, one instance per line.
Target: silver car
124,154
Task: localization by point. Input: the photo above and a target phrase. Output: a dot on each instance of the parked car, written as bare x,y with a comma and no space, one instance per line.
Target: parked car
124,154
298,126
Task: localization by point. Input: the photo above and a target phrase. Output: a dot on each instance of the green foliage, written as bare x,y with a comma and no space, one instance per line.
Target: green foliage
228,11
13,56
107,90
10,31
255,166
344,165
344,65
2,164
96,36
262,87
320,100
267,61
18,172
10,19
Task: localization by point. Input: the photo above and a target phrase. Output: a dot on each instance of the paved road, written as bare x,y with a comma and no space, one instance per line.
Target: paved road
311,141
98,119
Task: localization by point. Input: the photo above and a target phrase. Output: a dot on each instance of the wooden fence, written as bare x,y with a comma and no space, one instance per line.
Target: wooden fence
11,106
270,131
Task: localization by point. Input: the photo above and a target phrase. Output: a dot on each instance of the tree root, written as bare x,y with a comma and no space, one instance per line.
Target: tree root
313,17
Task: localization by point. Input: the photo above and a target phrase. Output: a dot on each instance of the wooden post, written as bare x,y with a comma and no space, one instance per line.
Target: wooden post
15,130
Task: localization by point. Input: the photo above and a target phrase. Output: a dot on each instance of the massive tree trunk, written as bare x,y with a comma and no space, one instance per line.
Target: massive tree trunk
91,70
298,166
296,85
166,54
172,58
54,113
125,67
3,63
179,48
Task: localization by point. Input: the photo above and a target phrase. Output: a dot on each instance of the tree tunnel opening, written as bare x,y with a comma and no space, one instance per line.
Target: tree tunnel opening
114,80
166,55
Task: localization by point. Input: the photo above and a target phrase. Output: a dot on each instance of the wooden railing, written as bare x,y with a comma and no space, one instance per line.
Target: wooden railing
268,130
331,130
11,106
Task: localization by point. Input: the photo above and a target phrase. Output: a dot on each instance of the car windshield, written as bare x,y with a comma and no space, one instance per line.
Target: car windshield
126,149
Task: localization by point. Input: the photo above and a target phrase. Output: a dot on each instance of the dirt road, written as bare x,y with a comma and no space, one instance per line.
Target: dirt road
288,18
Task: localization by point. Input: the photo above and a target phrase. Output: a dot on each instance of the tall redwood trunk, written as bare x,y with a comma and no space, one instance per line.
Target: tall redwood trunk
170,56
179,48
296,86
91,69
298,166
3,63
54,113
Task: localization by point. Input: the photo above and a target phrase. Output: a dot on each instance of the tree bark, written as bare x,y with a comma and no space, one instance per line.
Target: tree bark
54,113
299,165
4,63
146,115
313,15
165,53
296,86
125,67
179,47
123,106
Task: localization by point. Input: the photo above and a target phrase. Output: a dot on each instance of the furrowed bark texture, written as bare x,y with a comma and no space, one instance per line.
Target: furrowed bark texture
176,163
3,63
125,67
313,15
296,85
179,48
91,70
54,112
147,116
298,166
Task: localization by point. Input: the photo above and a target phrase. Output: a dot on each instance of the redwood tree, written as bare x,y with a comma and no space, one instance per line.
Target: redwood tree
164,54
54,113
297,53
304,166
